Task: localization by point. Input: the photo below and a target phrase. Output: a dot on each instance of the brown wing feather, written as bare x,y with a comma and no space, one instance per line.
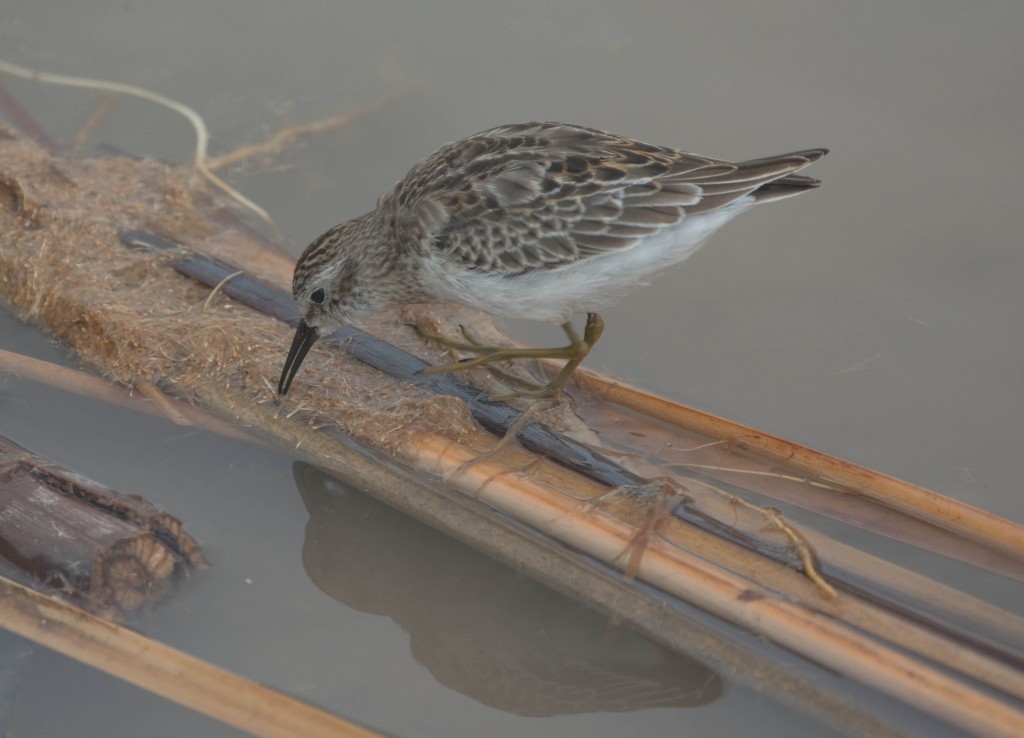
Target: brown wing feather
539,195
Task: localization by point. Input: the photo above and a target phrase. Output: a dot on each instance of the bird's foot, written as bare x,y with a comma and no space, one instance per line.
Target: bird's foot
573,353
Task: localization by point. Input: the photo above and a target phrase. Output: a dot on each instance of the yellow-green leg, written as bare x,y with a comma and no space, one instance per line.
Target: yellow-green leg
573,353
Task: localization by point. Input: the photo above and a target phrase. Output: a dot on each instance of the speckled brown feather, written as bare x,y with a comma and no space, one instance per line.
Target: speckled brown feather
540,195
539,202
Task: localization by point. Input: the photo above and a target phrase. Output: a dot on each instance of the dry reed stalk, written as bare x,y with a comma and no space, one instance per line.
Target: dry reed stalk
815,635
918,596
917,501
923,595
165,671
70,380
150,400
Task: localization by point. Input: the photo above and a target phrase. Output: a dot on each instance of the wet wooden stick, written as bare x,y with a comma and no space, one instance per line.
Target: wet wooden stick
163,670
112,553
168,407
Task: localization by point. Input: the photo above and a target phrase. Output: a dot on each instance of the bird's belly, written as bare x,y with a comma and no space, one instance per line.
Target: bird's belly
588,285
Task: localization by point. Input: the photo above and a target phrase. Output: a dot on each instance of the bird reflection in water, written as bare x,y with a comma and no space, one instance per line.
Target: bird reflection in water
480,628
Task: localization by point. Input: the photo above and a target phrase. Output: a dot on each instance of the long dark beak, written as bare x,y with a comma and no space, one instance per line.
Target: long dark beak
305,337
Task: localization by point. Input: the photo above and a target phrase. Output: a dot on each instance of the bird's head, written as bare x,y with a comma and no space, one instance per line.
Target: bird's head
341,277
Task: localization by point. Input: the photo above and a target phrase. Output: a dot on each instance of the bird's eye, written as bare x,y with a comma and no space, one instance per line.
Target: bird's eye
318,295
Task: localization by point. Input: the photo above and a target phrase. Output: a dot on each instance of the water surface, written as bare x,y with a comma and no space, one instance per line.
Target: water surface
877,318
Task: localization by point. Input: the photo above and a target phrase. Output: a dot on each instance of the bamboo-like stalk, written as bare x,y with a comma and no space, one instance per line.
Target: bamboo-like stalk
917,501
921,592
150,399
731,465
165,671
815,635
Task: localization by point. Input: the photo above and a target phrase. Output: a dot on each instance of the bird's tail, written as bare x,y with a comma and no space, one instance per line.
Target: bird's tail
791,184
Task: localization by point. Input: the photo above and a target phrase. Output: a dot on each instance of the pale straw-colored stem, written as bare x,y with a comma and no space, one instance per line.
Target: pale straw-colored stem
816,635
917,501
163,670
150,400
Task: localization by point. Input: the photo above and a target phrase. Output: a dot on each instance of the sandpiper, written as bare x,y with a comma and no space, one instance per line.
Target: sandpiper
530,220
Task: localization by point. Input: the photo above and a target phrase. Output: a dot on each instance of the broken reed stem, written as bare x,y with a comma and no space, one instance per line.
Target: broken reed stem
167,406
797,540
813,634
916,501
163,670
66,379
86,385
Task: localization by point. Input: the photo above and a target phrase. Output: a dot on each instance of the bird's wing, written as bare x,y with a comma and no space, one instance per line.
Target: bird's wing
540,195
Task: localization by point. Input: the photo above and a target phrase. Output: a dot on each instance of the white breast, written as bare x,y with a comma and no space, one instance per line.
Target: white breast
589,285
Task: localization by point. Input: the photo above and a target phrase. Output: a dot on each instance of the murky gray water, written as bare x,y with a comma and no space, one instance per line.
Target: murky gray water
878,318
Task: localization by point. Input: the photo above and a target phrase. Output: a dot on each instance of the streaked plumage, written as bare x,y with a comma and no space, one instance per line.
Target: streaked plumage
531,220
